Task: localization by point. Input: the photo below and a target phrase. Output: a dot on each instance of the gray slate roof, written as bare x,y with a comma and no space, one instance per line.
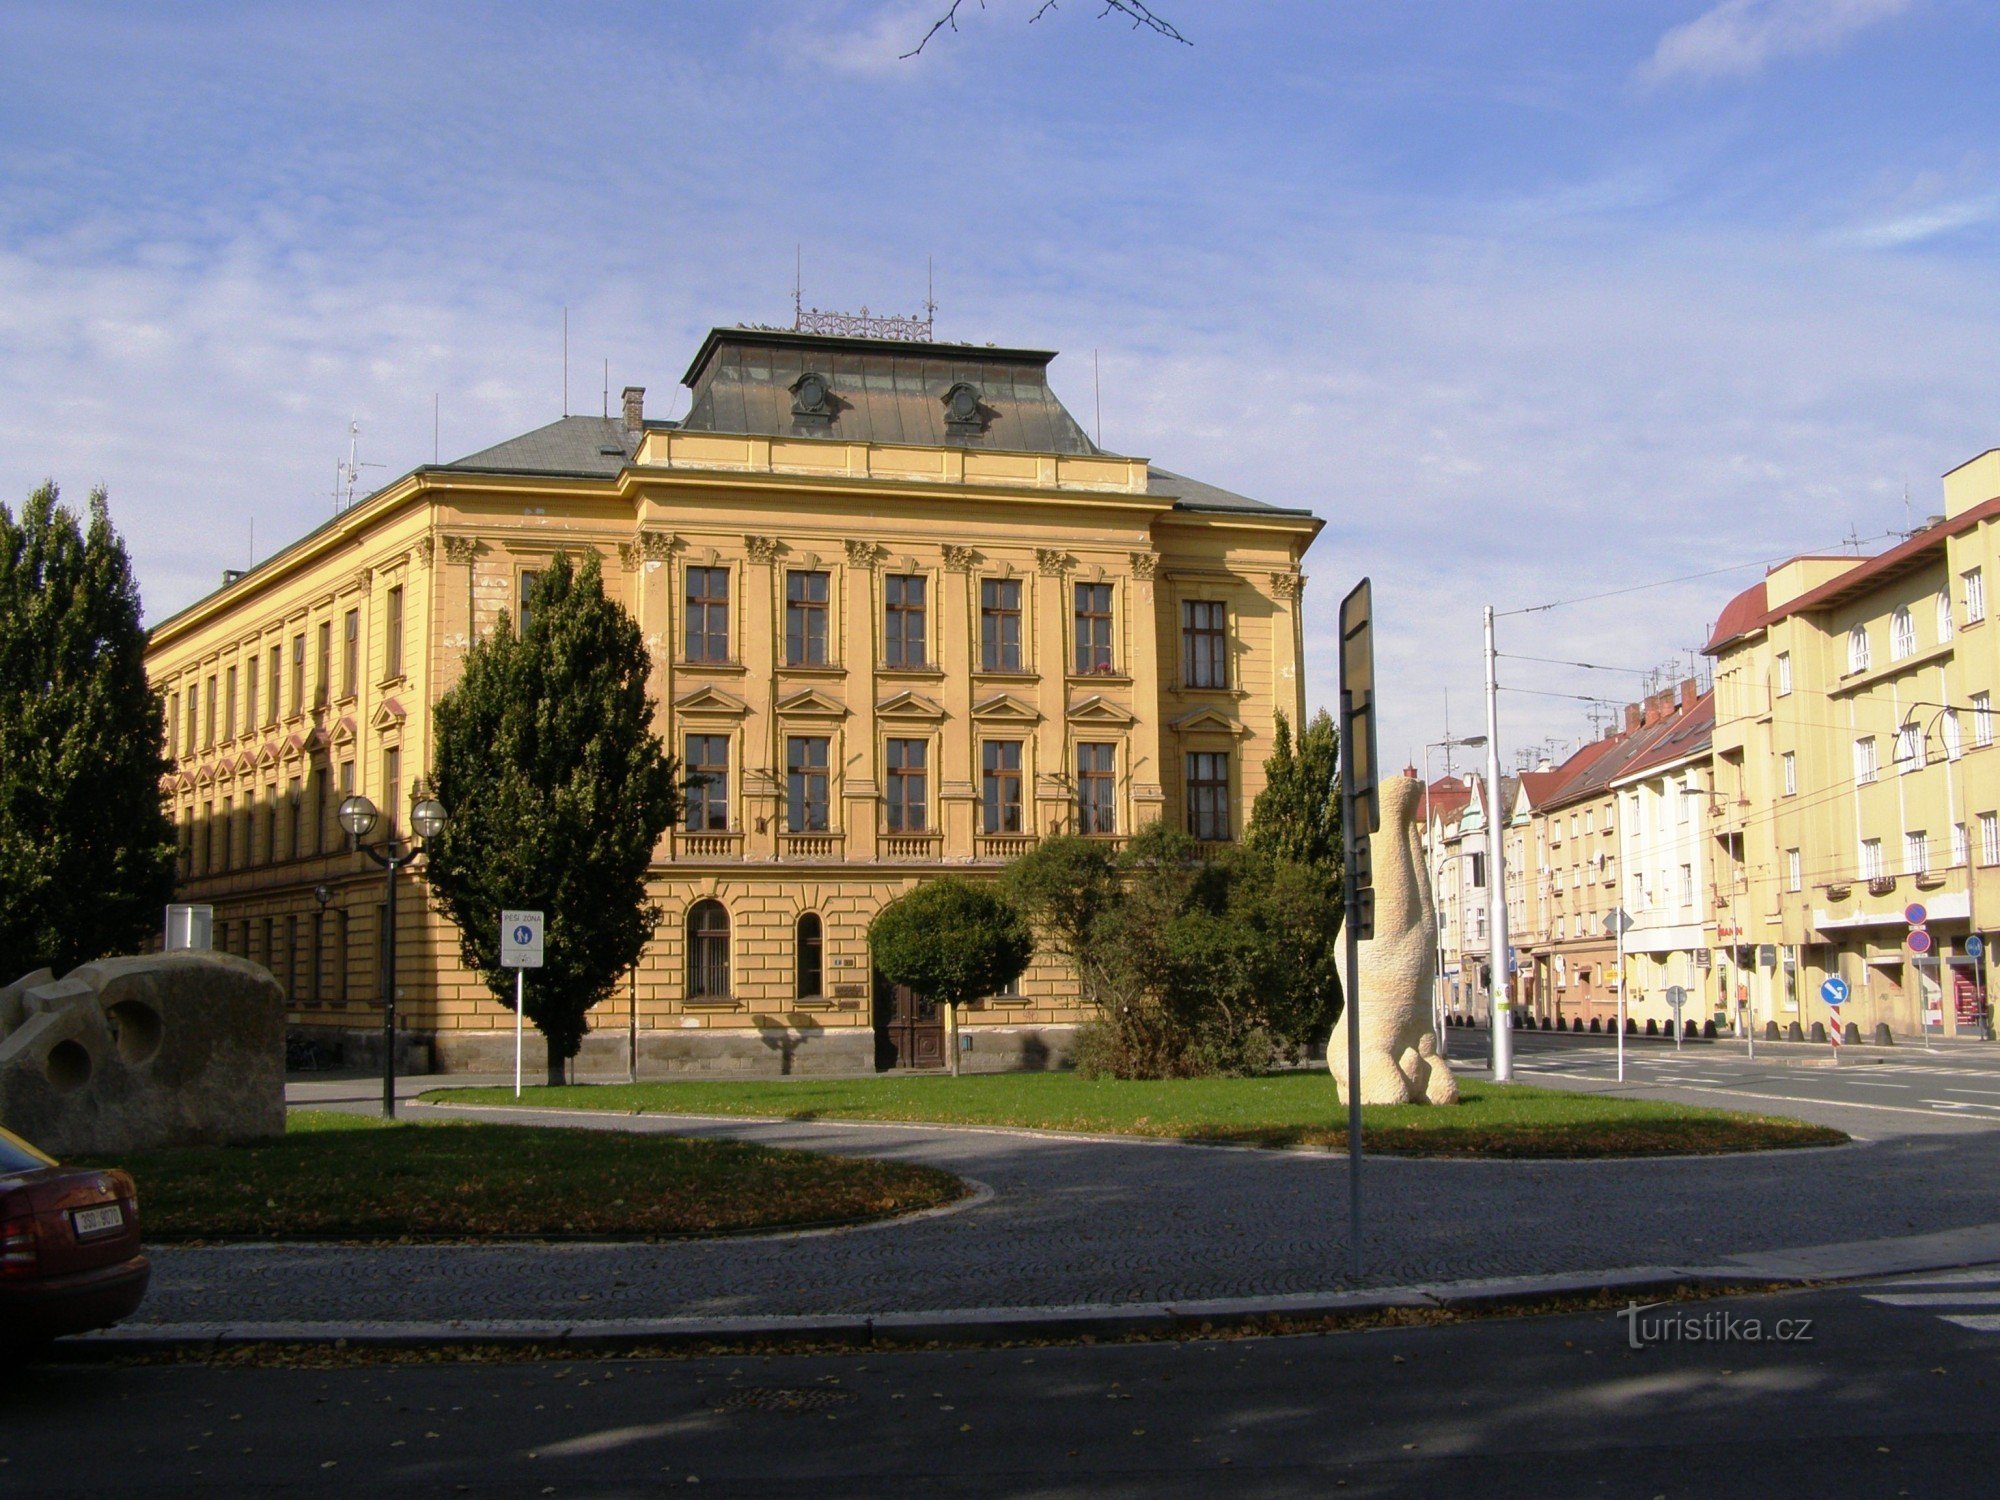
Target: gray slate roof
883,391
590,446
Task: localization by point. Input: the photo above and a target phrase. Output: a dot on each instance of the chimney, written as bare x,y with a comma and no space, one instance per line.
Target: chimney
1690,690
1632,714
635,409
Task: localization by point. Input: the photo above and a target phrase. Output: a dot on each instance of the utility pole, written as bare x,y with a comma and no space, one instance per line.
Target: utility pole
1502,1041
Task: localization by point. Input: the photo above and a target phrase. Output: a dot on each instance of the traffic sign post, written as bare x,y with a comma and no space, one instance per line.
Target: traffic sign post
1616,925
1677,997
1360,815
1834,992
520,950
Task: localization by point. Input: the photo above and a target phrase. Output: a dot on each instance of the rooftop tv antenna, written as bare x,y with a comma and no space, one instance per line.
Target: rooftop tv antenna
347,473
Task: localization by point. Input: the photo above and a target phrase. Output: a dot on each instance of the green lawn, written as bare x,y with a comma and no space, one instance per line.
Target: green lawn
355,1177
1286,1109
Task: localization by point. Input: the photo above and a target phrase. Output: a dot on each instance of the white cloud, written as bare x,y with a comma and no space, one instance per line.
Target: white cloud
1918,225
1738,37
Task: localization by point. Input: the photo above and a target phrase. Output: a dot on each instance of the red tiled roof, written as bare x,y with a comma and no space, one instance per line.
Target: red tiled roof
1739,617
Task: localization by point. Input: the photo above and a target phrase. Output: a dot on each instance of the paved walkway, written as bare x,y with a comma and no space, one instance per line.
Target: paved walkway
1096,1222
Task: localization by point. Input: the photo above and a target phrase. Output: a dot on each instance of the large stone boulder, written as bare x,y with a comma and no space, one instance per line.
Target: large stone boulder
128,1054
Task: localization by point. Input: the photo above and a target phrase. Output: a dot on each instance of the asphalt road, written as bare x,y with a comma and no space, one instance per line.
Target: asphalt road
1869,1091
1889,1391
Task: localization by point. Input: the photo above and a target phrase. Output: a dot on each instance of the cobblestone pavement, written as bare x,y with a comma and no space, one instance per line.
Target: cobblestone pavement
1090,1221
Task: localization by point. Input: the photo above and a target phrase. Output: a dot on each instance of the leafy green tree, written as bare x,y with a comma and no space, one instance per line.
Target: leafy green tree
1297,815
557,790
86,849
952,941
1062,887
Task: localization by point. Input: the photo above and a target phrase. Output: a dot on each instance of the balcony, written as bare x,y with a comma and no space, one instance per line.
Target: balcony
1002,846
1881,885
811,846
708,846
909,845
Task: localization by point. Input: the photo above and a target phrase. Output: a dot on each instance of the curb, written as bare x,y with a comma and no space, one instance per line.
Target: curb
969,1327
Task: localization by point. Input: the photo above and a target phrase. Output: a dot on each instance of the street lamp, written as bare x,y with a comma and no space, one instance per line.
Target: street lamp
358,816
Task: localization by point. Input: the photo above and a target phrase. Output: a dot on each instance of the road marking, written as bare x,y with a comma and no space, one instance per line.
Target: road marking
1960,1104
1950,1088
1893,1109
1973,1298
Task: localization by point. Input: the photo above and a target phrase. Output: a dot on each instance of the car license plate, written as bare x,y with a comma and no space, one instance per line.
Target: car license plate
103,1220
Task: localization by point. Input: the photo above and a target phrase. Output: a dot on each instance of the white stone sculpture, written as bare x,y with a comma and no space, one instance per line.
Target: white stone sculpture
1399,1061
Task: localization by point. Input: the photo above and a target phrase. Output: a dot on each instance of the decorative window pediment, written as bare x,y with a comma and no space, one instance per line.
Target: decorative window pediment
1006,706
267,753
204,775
344,731
245,764
293,748
709,699
388,716
1209,721
909,704
1098,709
811,703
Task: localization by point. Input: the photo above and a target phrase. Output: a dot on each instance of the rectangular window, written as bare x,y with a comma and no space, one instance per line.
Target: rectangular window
1960,849
524,600
208,736
1204,644
1973,582
1949,732
313,990
1909,748
340,955
277,675
1871,859
903,620
1865,765
295,807
190,719
1208,794
906,785
1096,789
269,955
1858,652
707,765
1093,628
323,681
806,784
1989,838
1902,634
316,781
229,705
1790,763
1982,718
392,628
1476,869
271,823
707,637
1687,885
250,692
205,854
1000,786
1784,673
298,672
1917,852
291,957
228,831
392,788
1000,624
805,619
350,652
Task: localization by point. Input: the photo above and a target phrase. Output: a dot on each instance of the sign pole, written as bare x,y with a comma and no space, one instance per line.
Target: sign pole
1360,815
520,950
1621,990
520,1009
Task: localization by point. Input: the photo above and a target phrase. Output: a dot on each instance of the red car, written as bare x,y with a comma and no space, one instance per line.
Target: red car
69,1246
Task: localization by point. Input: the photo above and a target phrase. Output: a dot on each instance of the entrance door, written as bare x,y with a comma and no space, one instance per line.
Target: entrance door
909,1029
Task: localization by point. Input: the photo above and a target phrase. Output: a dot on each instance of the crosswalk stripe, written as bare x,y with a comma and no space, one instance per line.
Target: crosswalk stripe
1972,1298
1977,1322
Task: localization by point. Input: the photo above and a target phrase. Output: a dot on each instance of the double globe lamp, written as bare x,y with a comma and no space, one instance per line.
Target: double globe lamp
359,816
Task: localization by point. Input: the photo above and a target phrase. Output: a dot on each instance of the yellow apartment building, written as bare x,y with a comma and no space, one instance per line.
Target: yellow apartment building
905,617
1854,713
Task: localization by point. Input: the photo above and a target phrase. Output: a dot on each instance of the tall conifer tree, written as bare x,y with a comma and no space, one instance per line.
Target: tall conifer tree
1297,815
86,850
557,791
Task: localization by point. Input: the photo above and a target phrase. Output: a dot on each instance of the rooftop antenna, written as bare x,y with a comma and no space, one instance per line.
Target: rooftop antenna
253,542
345,475
1909,516
434,426
607,390
1853,542
930,297
798,286
565,359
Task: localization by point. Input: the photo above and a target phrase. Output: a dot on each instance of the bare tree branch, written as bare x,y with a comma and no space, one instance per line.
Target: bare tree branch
1141,15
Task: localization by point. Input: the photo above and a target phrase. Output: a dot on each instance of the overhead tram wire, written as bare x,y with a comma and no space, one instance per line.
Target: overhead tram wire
1660,583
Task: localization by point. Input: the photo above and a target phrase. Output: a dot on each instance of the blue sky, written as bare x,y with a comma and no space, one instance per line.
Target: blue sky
1529,300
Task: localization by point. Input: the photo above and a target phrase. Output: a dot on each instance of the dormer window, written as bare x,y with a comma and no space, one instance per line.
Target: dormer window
962,409
812,396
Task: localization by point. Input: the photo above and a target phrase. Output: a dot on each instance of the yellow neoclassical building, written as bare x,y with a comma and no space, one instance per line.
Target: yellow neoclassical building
905,617
1855,778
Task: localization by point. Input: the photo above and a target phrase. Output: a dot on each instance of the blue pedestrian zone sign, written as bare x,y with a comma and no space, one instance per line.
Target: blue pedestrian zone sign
1834,991
520,940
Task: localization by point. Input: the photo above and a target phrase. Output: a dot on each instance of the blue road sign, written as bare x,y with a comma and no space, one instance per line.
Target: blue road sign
1974,946
1834,991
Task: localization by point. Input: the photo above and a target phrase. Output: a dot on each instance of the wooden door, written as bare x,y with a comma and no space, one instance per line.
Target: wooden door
909,1029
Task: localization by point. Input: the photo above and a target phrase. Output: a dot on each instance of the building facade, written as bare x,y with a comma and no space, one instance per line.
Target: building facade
1853,716
905,617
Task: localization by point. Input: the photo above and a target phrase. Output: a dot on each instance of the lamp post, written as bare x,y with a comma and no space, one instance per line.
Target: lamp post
358,816
1447,744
